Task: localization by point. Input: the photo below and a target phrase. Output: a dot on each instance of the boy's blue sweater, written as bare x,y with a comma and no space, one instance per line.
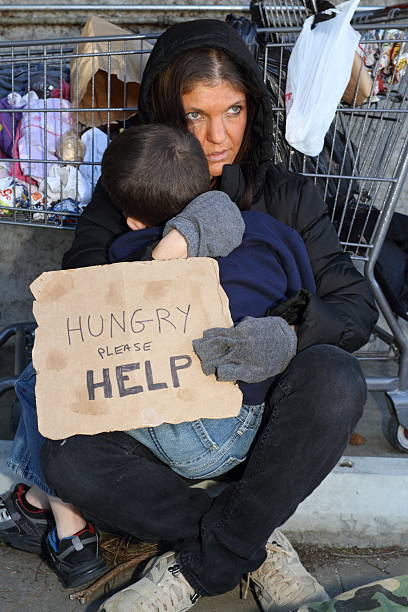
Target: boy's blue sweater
268,267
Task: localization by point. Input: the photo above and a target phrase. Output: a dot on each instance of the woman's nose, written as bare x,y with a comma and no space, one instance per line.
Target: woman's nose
216,131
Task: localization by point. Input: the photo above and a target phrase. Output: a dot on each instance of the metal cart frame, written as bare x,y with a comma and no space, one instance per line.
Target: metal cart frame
382,175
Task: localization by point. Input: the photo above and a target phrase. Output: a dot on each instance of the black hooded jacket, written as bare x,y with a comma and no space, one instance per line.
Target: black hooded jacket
343,312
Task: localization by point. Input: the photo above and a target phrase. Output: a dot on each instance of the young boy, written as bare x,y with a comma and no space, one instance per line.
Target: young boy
154,173
167,169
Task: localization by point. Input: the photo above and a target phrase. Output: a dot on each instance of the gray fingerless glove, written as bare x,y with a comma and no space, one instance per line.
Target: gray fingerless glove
212,225
252,351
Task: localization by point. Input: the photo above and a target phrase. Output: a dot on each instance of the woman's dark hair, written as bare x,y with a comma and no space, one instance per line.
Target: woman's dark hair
208,66
151,172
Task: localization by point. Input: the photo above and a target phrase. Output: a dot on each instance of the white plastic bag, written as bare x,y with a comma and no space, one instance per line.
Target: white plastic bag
318,72
65,182
95,142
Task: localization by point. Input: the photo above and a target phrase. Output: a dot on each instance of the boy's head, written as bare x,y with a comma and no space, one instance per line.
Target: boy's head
151,172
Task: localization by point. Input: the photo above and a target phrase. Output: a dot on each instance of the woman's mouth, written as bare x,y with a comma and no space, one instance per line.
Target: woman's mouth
217,155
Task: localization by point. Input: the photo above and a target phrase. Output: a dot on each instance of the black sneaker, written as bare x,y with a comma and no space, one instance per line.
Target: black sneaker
76,560
21,525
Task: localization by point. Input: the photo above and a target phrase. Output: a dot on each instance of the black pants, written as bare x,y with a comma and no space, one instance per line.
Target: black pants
312,410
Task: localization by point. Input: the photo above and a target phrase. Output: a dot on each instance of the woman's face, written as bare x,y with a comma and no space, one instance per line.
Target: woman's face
217,116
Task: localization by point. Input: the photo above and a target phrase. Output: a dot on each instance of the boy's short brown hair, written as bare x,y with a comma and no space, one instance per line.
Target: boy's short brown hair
151,172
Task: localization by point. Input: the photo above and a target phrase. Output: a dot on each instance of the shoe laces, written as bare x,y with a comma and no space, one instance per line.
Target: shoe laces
269,568
169,594
277,577
247,582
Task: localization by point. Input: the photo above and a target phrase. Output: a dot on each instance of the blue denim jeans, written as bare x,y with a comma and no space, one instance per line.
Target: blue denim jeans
204,448
24,459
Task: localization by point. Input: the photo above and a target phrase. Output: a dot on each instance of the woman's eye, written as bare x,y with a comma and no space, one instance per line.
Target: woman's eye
236,109
193,116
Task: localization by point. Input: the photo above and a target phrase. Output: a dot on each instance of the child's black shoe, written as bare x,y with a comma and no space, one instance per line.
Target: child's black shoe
21,525
77,559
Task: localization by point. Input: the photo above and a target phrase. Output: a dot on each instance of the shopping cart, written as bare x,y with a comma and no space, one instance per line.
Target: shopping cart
26,197
50,147
362,168
360,172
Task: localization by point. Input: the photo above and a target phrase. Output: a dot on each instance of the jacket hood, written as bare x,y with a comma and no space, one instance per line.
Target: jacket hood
210,33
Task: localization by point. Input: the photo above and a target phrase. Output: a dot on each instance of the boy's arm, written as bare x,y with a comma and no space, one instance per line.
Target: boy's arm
211,224
172,246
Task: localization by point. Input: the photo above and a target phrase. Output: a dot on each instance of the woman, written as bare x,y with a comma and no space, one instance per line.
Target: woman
200,76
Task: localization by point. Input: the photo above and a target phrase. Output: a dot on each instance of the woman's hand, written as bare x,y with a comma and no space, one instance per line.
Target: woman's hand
252,351
211,224
172,246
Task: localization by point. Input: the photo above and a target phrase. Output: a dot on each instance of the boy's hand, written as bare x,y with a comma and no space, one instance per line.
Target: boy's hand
172,246
252,351
212,225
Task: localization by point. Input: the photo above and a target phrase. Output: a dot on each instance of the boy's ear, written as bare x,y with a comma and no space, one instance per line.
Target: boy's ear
135,224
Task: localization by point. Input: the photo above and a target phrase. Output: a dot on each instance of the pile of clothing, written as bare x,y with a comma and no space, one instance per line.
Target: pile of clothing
386,59
47,162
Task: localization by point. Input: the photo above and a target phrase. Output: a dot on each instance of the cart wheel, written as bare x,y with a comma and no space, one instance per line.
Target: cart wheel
398,435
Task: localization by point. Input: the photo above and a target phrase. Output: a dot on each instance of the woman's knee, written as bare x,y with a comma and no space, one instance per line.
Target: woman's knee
331,382
332,365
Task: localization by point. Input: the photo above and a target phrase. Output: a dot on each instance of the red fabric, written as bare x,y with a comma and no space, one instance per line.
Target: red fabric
56,93
88,527
21,496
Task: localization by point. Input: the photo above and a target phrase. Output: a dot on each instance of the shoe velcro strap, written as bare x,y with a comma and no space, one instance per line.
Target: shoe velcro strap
73,547
76,543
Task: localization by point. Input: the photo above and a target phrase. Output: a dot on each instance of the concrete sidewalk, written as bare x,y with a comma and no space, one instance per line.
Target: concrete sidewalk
27,583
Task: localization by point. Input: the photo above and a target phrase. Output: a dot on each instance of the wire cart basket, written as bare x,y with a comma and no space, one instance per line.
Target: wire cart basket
51,142
362,168
52,138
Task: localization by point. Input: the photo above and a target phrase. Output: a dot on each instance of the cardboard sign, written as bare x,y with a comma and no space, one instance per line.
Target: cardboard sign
113,349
